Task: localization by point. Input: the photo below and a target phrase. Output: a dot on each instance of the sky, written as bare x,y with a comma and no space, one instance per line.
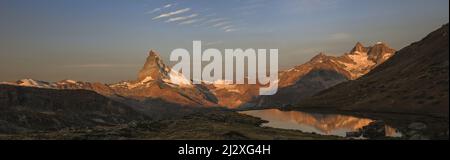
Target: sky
108,40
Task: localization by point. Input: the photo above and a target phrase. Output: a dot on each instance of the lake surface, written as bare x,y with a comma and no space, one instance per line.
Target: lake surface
324,124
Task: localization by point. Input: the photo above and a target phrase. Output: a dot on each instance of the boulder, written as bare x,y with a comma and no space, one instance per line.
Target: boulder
417,126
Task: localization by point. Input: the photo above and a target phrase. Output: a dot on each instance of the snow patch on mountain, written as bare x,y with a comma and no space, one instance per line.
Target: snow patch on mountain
71,81
360,63
147,79
67,81
177,78
33,83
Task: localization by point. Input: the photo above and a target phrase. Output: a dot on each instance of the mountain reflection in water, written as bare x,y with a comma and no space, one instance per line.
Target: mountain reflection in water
325,124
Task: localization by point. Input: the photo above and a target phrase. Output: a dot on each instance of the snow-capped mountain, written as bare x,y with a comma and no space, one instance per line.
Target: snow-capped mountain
158,81
155,81
323,72
413,81
33,83
64,84
363,59
153,70
354,64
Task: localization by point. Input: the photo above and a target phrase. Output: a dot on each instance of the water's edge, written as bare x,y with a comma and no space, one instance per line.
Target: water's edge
324,124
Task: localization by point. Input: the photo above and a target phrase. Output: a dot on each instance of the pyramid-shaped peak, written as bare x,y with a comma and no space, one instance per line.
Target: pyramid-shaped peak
320,57
154,67
153,53
359,47
153,58
359,44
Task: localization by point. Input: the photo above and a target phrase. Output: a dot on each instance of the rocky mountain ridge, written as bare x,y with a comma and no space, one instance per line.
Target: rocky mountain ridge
156,80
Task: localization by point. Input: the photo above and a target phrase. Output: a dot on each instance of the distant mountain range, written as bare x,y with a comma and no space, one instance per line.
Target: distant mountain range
154,81
413,81
423,70
323,71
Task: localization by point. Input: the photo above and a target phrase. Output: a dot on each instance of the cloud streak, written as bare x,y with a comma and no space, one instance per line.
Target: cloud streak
161,8
230,30
202,18
227,27
153,11
169,5
182,18
192,21
215,20
221,24
170,14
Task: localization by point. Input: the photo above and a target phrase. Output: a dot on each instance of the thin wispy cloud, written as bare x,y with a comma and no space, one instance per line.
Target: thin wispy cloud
192,21
220,24
215,20
201,18
227,27
209,21
231,30
182,18
153,11
169,5
161,8
170,14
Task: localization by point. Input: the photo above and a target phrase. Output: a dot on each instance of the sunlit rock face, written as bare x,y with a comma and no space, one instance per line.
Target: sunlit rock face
158,81
154,68
323,72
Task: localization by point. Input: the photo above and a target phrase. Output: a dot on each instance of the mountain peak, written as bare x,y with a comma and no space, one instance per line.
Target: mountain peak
381,44
153,53
358,48
380,52
153,68
33,83
320,57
